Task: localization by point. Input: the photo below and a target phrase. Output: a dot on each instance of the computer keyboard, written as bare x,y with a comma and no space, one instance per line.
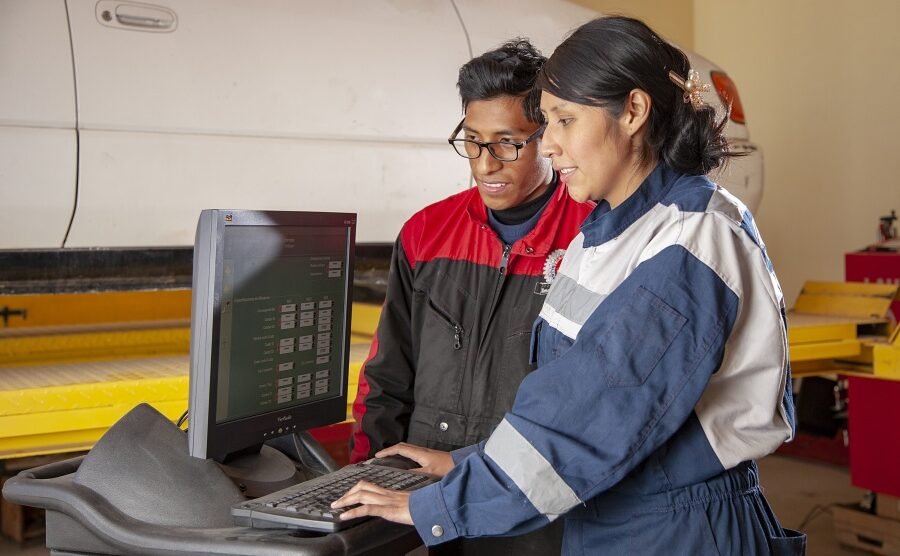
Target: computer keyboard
308,505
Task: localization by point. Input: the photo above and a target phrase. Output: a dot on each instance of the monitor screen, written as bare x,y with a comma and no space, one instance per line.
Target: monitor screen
270,326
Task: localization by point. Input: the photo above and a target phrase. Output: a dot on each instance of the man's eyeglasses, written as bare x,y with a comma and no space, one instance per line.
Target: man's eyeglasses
504,152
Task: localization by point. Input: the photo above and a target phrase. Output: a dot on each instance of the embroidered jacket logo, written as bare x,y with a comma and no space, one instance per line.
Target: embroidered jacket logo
551,268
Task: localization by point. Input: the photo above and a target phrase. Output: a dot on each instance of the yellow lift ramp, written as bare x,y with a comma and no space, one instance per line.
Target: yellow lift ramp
837,327
81,361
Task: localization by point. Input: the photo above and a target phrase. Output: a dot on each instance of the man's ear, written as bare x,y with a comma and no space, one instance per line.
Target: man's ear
636,111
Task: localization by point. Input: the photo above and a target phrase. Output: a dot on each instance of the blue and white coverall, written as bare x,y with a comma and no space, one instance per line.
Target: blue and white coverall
663,373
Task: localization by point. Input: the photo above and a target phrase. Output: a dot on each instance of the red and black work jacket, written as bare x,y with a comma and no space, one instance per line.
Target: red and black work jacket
452,343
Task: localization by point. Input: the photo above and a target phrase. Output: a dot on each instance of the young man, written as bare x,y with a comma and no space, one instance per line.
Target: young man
469,275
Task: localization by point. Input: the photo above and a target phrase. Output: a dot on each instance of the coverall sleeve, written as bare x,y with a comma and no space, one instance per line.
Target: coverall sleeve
582,422
384,400
462,453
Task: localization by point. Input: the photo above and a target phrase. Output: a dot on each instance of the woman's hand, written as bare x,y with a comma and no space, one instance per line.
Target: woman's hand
391,504
376,501
433,462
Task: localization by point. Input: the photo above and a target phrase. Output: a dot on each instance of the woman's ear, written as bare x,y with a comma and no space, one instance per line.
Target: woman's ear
636,111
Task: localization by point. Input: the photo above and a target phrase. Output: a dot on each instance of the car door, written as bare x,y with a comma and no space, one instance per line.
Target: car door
38,142
270,104
545,24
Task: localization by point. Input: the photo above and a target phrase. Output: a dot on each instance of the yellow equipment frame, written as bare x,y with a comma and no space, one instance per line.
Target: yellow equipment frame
79,362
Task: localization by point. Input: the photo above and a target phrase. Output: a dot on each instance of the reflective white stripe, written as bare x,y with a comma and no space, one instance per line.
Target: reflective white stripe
572,300
530,471
559,322
723,202
741,410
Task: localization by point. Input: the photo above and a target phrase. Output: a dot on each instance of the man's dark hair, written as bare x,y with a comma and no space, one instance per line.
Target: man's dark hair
509,70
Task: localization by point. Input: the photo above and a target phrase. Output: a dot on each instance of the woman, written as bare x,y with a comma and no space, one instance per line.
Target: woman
662,351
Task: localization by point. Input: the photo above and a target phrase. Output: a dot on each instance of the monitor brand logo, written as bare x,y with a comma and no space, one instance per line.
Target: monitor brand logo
284,418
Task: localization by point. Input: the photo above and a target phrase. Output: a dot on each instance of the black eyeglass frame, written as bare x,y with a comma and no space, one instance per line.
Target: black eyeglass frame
487,145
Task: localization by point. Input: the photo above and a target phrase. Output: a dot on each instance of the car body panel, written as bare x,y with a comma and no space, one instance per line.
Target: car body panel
38,144
272,104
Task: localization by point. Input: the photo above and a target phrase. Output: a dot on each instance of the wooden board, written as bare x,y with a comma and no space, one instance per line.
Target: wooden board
866,531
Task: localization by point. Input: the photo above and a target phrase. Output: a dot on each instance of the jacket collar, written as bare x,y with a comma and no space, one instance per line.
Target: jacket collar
540,239
604,224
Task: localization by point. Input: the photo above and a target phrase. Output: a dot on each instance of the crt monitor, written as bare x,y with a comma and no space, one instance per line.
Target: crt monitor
270,326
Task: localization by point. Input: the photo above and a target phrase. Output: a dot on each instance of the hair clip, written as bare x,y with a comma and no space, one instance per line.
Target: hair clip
692,87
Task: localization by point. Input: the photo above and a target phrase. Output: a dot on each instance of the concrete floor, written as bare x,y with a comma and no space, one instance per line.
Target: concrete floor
793,488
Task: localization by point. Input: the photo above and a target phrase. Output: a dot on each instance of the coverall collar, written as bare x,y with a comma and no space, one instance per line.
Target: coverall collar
604,224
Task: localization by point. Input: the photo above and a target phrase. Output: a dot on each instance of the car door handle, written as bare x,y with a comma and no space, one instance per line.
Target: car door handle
136,16
143,21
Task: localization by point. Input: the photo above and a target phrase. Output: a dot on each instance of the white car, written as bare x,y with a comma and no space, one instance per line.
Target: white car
742,175
120,121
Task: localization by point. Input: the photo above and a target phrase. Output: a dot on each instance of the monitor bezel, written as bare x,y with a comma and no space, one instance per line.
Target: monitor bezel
238,435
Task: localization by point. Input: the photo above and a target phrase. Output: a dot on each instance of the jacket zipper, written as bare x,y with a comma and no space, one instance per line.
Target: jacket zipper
501,274
504,260
457,329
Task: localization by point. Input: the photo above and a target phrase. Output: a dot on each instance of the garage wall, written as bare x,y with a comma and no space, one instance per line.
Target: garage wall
819,84
673,19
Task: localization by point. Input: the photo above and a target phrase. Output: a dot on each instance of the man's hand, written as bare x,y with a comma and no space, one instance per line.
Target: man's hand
433,462
376,501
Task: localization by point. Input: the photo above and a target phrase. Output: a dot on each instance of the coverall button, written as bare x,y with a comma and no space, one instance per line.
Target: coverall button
529,250
443,426
437,530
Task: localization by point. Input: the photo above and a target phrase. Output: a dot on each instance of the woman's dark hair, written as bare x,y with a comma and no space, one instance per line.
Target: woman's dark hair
509,70
605,59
